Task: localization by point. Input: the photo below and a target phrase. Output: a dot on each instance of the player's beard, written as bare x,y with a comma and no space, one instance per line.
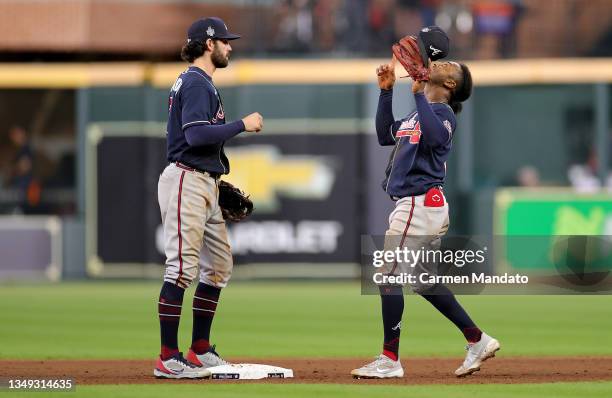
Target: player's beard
218,59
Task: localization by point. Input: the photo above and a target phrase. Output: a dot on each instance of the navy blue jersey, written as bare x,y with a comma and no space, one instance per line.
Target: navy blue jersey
194,101
422,141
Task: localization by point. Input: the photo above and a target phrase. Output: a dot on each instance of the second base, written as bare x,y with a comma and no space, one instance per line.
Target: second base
249,371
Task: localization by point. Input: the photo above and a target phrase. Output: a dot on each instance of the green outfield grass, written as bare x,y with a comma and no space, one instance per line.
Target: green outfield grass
283,319
556,390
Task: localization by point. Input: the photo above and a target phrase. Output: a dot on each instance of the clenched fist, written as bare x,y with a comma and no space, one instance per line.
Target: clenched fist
253,122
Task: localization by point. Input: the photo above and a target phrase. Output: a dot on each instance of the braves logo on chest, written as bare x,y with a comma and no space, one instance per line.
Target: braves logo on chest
410,128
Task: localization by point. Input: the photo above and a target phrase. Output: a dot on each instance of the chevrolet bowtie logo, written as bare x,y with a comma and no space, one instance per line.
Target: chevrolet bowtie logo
263,172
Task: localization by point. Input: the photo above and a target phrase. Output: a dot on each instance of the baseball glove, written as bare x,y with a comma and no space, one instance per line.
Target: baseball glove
407,53
235,204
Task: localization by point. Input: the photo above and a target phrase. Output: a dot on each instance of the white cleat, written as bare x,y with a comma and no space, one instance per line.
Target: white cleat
382,368
477,353
178,367
207,360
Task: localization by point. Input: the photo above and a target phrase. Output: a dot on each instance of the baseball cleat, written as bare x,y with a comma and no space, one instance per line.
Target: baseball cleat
477,353
207,360
178,367
382,368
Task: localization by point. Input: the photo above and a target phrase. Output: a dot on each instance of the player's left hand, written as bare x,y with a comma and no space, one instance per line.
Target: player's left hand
418,86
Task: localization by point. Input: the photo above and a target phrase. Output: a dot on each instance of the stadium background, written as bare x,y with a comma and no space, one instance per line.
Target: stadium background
83,86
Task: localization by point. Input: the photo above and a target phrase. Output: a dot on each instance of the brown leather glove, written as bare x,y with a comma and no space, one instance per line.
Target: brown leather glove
407,53
235,204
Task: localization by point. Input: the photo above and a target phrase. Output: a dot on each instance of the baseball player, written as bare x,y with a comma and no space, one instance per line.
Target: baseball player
195,235
414,180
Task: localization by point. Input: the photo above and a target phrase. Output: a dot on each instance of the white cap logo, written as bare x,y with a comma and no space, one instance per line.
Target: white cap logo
210,31
434,51
425,30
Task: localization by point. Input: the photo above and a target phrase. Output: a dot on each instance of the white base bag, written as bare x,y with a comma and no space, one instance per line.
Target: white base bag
249,371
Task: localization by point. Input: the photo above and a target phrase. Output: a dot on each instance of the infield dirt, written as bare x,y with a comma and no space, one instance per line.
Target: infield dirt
313,371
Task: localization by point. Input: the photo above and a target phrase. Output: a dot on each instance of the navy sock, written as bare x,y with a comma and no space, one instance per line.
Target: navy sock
204,306
169,310
445,302
392,303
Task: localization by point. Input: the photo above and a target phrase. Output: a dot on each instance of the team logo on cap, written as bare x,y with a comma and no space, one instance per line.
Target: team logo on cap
210,31
434,51
425,30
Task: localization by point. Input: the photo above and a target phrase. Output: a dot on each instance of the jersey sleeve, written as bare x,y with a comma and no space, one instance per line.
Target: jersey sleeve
201,135
448,119
437,126
195,106
386,126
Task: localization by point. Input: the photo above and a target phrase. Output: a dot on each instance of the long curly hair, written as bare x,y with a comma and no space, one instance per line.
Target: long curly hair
192,49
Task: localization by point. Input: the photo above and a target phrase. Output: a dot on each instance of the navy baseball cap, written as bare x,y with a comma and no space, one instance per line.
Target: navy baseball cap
433,44
210,28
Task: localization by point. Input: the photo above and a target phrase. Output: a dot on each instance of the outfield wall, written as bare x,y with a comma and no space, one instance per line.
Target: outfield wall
318,113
